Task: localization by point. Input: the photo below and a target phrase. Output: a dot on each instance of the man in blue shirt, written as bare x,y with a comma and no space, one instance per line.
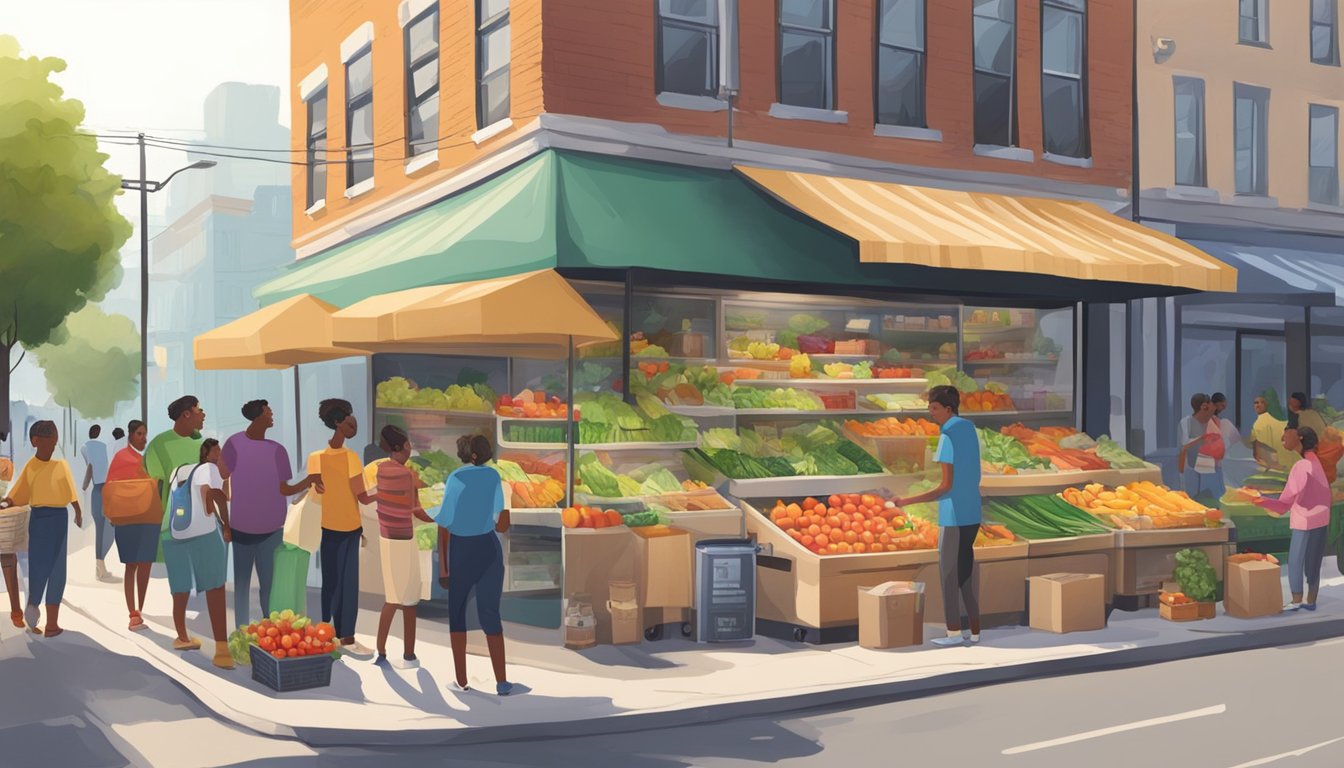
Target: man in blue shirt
958,496
96,462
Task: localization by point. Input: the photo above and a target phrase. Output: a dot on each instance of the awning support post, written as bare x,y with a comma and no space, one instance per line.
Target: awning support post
298,425
569,423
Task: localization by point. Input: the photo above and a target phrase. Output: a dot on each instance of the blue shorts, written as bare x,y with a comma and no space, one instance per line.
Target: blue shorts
137,543
475,563
202,561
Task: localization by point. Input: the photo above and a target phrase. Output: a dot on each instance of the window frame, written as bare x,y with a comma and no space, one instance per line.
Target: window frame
1201,135
715,30
1084,103
1261,20
923,56
353,103
1331,60
830,103
1260,147
410,67
1311,117
977,72
310,151
484,28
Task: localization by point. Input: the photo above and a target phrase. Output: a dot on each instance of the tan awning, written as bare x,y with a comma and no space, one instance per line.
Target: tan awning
290,332
534,314
900,224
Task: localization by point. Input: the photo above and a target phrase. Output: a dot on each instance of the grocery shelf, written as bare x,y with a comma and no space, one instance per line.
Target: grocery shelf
1030,483
542,518
996,330
536,419
1017,414
768,412
702,411
807,383
609,447
1007,361
926,331
812,485
482,415
635,360
507,445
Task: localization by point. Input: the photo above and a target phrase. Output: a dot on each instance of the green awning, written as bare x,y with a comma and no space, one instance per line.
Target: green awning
577,211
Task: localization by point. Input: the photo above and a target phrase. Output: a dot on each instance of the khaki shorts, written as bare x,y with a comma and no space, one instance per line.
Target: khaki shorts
401,571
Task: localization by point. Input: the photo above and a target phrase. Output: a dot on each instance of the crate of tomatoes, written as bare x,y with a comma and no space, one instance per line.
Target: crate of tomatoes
287,652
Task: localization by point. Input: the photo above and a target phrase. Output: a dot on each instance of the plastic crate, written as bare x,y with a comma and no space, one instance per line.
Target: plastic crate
294,674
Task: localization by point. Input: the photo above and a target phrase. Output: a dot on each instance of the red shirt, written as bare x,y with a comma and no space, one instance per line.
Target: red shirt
397,501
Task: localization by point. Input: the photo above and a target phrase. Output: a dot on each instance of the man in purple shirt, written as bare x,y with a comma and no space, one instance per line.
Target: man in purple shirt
258,473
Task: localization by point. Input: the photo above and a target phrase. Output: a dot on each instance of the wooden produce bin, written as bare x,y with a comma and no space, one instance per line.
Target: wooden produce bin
1143,560
1078,554
805,597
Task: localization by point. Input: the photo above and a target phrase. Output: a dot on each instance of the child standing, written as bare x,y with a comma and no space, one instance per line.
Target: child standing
398,508
46,485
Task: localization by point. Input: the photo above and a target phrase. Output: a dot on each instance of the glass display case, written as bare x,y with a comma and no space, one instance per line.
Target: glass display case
1023,359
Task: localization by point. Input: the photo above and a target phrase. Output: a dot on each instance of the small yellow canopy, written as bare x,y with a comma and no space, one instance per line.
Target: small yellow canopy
901,224
290,332
534,314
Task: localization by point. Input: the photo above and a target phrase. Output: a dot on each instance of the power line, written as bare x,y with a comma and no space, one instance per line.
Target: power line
303,163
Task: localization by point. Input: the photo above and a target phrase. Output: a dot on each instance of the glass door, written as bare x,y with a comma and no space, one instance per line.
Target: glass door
1261,363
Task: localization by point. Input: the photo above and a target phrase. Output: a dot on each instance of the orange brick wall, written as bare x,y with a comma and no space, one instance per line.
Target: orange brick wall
600,62
317,29
596,58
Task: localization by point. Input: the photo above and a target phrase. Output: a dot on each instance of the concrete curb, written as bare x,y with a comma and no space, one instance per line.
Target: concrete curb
854,696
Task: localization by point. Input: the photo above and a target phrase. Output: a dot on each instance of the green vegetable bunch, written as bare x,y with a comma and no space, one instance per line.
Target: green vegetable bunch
1196,576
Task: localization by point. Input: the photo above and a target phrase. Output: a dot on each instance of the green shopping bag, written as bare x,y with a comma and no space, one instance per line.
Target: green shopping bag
289,586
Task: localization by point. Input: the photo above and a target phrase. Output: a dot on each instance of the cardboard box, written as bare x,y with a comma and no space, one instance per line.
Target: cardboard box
623,592
580,625
593,558
891,615
1253,589
664,567
1068,602
1188,611
626,625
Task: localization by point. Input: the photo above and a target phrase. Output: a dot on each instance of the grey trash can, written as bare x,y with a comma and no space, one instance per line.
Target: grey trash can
725,577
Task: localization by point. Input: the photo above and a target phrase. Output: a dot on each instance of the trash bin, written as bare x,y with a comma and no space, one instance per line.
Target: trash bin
725,575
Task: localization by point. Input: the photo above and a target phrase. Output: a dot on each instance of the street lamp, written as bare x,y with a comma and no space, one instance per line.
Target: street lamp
144,186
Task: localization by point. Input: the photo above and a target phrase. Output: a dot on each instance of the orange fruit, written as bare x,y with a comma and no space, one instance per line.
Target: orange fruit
845,548
850,508
832,548
823,540
868,537
807,540
809,503
851,537
786,523
860,548
834,501
867,500
884,538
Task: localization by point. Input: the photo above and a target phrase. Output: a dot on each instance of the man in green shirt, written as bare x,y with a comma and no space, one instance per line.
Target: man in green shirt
168,451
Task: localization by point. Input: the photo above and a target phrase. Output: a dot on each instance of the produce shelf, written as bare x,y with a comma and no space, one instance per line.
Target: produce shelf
996,330
1018,414
609,447
637,359
767,412
806,383
702,411
923,331
482,415
1005,361
1027,484
813,485
511,446
541,518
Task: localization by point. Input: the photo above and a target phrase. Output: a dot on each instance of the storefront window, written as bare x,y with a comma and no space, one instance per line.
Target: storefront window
1027,353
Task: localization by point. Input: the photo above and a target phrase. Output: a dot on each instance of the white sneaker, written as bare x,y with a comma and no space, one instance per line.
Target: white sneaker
949,642
408,663
1290,607
358,650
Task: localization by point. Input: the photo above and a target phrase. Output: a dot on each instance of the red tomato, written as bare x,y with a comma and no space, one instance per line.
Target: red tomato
853,498
267,643
287,642
272,632
835,501
325,632
279,654
284,627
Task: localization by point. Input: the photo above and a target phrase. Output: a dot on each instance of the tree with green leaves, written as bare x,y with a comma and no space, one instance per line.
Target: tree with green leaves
59,228
92,362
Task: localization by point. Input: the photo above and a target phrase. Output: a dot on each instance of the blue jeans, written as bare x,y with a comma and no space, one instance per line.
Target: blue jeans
475,563
1305,552
101,528
340,580
47,530
253,550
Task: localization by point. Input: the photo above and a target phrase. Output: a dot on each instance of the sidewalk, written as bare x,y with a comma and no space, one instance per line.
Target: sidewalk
652,685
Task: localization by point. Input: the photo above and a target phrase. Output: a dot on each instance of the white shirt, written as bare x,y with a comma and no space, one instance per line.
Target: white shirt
206,477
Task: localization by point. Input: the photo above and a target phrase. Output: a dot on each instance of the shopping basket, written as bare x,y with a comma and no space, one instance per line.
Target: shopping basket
14,529
294,674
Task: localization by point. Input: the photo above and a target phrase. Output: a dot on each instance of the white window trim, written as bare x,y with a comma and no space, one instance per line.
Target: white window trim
361,188
316,208
692,102
1252,201
1073,162
409,9
422,161
1325,208
907,132
790,112
1187,192
362,36
1016,154
314,82
491,131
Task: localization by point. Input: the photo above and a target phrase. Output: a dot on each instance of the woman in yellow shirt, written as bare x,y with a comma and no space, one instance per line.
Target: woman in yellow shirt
46,485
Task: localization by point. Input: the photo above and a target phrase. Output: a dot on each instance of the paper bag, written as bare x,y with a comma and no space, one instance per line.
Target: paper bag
303,524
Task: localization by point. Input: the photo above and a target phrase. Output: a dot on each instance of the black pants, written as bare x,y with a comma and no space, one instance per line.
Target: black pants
956,567
340,580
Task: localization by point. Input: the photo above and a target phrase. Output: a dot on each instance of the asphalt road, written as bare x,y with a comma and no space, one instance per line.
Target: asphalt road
74,705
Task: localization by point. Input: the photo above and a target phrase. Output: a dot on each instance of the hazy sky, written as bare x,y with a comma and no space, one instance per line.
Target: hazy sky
147,65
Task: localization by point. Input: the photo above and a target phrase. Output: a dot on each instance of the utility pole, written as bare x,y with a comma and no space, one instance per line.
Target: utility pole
728,65
144,284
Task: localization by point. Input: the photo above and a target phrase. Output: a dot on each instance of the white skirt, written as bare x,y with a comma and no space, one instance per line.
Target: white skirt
401,571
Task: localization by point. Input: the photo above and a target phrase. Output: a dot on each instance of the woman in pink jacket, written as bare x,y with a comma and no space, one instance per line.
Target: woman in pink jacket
1306,499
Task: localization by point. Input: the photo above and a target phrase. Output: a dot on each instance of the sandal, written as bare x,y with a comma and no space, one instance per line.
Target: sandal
52,632
187,645
137,624
16,618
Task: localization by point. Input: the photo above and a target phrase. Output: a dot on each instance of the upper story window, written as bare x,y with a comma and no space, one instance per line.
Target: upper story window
807,53
422,82
1190,158
1251,128
994,26
1253,22
359,117
900,63
493,51
1323,155
1325,32
1063,77
688,47
316,146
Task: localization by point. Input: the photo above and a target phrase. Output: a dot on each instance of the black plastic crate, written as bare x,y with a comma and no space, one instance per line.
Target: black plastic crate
294,674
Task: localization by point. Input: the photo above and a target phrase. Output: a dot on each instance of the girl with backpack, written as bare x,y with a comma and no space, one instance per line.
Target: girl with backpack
199,527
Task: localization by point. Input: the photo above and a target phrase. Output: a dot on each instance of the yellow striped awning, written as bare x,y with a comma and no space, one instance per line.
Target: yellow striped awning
922,226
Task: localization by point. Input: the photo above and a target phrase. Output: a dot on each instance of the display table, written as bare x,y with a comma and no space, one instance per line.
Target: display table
1143,560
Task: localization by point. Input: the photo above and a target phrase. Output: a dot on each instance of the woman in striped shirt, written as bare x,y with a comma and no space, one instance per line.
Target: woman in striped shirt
398,507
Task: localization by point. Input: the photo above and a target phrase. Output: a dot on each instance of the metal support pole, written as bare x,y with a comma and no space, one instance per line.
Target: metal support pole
730,118
298,426
569,424
627,312
144,284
